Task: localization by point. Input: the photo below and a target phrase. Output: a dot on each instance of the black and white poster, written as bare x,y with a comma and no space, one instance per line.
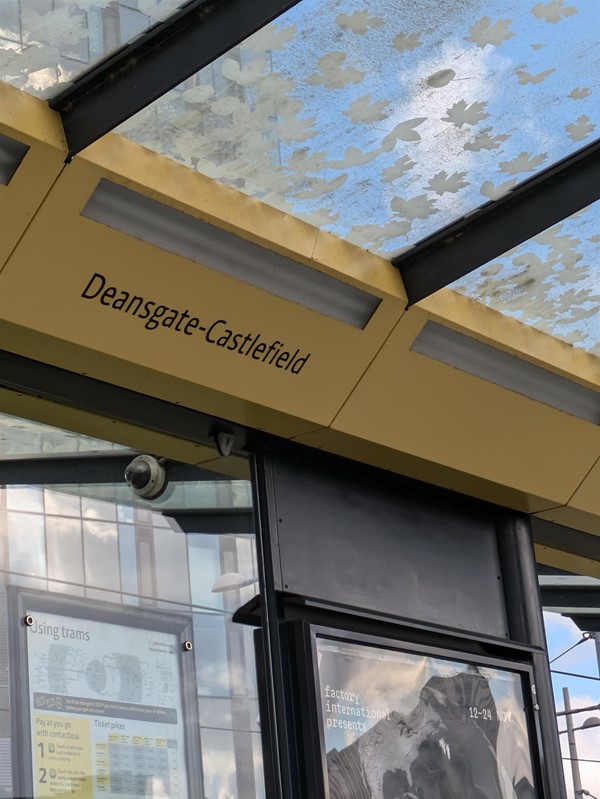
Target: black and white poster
402,725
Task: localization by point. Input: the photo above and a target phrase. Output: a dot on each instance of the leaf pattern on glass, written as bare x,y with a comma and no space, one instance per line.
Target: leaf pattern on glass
378,234
526,77
440,79
358,22
55,28
484,32
553,11
463,114
353,156
333,74
580,94
404,131
581,129
250,73
523,162
417,208
198,94
485,141
317,187
398,169
364,109
225,106
158,11
495,192
271,37
406,41
295,129
441,182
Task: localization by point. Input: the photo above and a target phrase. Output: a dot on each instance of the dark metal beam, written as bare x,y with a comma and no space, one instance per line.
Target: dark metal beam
155,62
85,393
496,227
565,539
89,468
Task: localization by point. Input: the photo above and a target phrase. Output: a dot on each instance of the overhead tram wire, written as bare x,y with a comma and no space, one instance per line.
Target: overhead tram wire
573,674
585,637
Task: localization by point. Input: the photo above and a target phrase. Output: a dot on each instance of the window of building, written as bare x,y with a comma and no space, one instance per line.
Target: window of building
122,672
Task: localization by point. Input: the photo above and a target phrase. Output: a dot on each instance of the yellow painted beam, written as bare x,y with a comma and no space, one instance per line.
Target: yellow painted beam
180,187
31,122
416,405
582,511
360,393
193,369
567,561
478,321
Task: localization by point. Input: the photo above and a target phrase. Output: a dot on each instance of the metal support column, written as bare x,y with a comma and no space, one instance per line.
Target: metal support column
282,761
526,624
572,745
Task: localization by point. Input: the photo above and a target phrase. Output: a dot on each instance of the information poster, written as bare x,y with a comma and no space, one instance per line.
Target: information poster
105,709
398,725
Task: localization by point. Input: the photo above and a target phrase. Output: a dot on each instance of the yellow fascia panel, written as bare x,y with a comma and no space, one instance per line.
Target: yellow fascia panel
583,509
485,324
29,120
567,561
416,405
67,355
169,365
179,186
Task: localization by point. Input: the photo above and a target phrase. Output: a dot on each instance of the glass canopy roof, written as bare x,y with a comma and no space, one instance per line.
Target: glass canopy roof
384,122
379,122
551,282
46,44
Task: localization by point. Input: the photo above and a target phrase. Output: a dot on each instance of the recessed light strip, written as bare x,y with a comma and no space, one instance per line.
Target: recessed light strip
12,153
499,367
181,234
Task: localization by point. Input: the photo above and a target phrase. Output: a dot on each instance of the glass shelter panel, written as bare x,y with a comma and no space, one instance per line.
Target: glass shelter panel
551,282
382,122
45,44
123,672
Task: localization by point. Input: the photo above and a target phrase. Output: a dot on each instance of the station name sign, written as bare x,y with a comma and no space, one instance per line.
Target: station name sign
217,332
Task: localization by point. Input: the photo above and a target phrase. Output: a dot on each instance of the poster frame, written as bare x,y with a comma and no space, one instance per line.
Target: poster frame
22,601
305,637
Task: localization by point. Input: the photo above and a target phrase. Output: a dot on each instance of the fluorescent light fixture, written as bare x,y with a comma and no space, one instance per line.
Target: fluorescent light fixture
12,153
508,371
181,234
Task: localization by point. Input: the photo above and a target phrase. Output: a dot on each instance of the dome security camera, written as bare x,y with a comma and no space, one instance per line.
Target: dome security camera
146,477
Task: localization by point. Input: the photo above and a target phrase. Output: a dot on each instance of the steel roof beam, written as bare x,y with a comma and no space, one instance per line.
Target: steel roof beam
472,241
155,62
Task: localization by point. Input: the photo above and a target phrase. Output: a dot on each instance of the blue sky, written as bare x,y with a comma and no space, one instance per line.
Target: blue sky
562,633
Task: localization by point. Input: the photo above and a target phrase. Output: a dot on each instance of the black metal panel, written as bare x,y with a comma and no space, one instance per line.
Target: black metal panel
155,62
219,521
535,205
367,540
